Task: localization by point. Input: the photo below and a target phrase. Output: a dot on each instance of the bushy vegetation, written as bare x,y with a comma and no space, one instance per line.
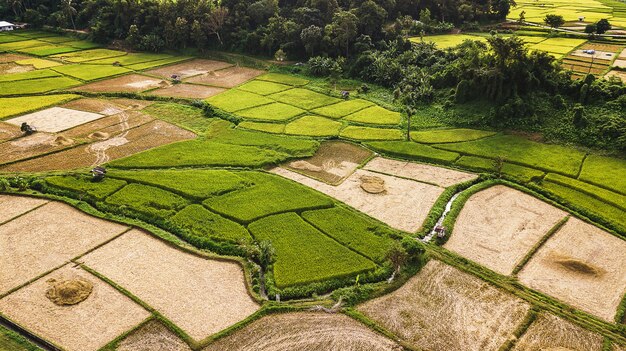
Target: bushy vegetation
353,230
198,184
303,254
200,222
270,194
144,200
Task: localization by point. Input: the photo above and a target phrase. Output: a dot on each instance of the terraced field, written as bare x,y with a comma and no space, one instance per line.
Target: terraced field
227,219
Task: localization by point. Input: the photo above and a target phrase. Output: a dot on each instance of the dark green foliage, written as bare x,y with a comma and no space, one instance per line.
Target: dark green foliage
84,186
353,230
146,201
303,254
200,222
463,91
270,194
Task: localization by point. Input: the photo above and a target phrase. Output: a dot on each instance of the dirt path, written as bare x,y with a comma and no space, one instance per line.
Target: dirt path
99,149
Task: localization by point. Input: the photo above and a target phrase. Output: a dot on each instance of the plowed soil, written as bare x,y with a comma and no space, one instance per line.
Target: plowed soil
130,83
190,91
417,171
189,69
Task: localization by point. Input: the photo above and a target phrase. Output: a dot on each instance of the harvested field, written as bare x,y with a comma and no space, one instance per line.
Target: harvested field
152,336
45,238
13,206
189,69
190,91
403,205
603,55
5,58
304,331
200,296
133,83
333,162
128,142
619,63
442,308
108,126
601,47
583,266
443,177
86,326
10,68
8,131
226,78
549,332
619,74
32,145
55,119
101,106
499,225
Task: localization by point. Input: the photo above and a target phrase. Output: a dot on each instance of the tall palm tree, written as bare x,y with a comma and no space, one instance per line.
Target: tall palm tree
69,10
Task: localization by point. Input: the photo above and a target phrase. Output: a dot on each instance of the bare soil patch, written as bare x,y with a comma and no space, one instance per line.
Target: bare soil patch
499,225
333,162
305,332
45,238
130,83
5,58
421,172
619,63
442,308
29,146
200,296
403,205
9,131
189,69
55,119
599,54
122,144
85,326
549,332
111,125
191,91
10,68
152,336
13,206
619,74
227,78
602,47
101,106
581,265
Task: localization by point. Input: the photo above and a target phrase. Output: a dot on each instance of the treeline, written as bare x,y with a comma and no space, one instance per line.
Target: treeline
299,28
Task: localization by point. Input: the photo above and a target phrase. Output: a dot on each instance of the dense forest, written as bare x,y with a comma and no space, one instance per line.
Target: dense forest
499,84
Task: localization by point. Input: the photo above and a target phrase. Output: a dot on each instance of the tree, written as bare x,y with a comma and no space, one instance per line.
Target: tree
591,29
133,39
215,21
198,36
522,17
343,29
554,21
311,37
397,255
425,17
371,18
181,32
602,26
69,11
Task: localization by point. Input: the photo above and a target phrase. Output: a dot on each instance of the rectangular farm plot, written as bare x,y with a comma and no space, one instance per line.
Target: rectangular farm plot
91,72
305,255
227,77
32,145
549,332
304,98
443,177
235,100
263,88
35,86
88,55
199,295
272,112
499,225
333,162
55,119
343,108
130,83
581,265
284,79
400,203
86,326
9,131
314,126
442,308
189,69
13,206
371,134
375,115
45,238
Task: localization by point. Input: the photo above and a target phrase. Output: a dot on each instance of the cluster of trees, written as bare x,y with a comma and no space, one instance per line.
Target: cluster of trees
299,28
